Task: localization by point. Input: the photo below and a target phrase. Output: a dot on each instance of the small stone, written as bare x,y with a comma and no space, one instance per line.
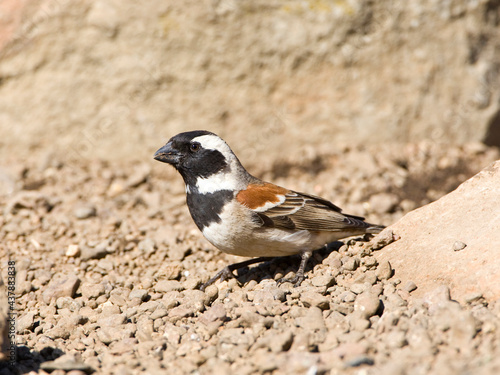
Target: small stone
85,212
73,250
113,320
214,313
396,339
358,288
437,298
383,239
25,322
315,299
410,286
384,271
165,286
138,293
358,323
359,361
92,290
98,252
367,304
459,245
180,312
60,332
147,245
65,286
123,346
149,306
313,320
323,280
350,263
159,313
68,303
109,334
348,297
280,342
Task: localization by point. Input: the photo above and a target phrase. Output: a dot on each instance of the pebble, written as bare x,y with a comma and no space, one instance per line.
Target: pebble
280,342
98,252
312,320
324,280
165,286
350,263
92,290
358,288
149,306
85,212
367,304
141,294
348,297
396,339
410,286
61,286
383,239
315,300
437,297
25,322
113,320
147,245
384,271
459,245
73,250
359,361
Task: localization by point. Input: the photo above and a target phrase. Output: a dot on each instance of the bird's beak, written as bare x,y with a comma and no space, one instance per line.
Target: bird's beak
167,154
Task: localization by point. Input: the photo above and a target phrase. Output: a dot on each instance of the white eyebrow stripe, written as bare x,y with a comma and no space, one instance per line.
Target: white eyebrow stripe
213,142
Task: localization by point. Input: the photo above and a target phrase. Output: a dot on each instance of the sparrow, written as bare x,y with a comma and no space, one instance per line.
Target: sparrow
243,215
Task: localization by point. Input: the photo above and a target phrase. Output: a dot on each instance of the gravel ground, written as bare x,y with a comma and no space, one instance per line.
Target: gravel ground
108,264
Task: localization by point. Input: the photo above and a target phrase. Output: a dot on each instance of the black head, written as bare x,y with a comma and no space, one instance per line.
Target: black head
196,154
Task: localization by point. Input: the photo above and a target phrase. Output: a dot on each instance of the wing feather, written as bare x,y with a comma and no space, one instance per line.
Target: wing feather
303,211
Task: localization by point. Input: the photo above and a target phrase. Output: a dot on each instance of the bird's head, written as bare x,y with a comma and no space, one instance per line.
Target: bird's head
203,159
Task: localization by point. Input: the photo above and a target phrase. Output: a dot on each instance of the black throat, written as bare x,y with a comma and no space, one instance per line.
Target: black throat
206,208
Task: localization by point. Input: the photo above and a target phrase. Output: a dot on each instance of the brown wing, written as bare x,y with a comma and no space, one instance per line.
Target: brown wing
303,211
278,207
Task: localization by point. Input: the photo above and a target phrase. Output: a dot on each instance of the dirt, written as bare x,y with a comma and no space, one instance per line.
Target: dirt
109,264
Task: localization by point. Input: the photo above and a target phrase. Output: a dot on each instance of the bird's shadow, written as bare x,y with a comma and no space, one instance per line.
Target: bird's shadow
285,265
28,360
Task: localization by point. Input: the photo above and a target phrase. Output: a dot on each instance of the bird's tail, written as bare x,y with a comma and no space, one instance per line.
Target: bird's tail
374,229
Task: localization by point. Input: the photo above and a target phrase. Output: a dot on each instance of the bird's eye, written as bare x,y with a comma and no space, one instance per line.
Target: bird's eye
195,146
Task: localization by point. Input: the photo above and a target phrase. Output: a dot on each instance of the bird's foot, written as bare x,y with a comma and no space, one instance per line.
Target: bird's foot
296,280
224,274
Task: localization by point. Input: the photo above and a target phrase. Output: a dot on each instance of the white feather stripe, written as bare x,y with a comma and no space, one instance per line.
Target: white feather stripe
269,205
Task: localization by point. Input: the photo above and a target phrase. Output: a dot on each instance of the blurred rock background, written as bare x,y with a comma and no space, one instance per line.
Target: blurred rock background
115,79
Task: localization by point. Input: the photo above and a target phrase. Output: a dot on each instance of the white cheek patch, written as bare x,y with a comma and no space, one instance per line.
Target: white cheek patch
269,205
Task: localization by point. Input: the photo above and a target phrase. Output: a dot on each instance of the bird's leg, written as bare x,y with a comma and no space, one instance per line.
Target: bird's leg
227,272
299,275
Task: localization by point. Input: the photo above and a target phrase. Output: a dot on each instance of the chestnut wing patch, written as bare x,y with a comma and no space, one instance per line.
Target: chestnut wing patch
261,197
